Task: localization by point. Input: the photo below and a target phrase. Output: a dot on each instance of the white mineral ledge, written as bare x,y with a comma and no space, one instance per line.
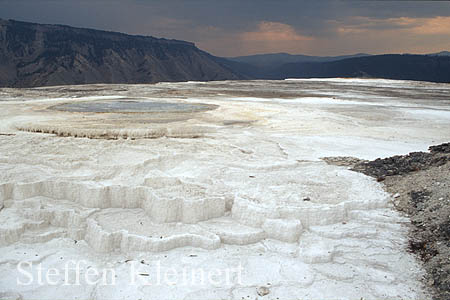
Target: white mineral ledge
230,203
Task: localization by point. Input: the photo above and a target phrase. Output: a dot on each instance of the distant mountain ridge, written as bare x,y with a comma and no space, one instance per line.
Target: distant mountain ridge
433,67
442,53
40,55
388,66
271,60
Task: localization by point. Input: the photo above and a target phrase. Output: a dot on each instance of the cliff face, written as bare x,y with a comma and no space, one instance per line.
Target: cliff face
41,55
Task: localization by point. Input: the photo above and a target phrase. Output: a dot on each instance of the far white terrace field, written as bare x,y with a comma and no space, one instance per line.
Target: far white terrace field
213,191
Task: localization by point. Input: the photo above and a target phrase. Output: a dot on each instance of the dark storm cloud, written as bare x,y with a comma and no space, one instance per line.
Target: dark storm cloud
232,27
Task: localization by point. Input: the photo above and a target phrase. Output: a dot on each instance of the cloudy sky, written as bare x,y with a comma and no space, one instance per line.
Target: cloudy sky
242,27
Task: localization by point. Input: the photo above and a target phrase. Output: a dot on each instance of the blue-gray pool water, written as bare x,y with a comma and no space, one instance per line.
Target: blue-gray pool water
133,106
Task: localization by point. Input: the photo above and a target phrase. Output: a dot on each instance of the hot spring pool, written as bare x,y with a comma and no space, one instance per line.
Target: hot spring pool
133,106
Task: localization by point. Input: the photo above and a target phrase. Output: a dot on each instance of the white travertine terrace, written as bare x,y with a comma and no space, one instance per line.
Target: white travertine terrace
239,184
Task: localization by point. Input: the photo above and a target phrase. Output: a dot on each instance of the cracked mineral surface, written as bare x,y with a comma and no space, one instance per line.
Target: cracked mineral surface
226,198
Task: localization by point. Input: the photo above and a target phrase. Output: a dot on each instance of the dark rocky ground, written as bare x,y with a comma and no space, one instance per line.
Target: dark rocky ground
405,164
420,184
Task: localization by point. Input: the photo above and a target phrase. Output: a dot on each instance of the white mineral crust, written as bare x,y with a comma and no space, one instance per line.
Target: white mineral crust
220,190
